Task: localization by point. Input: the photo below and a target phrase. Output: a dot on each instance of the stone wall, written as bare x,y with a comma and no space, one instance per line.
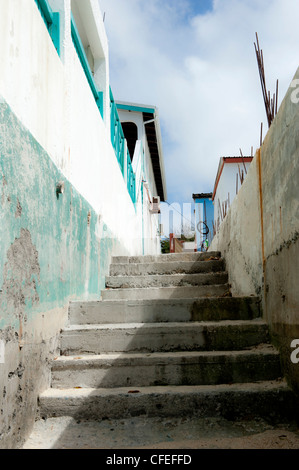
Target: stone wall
259,236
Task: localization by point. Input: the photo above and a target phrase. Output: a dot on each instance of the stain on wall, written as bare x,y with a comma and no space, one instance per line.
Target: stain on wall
270,241
53,248
21,275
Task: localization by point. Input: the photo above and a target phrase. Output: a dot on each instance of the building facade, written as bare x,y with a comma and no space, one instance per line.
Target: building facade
141,128
230,176
204,220
71,197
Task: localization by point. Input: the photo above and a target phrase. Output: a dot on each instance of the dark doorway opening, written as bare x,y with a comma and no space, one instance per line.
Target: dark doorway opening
131,135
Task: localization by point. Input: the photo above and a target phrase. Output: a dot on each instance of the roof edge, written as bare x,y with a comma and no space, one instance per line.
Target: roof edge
149,109
224,160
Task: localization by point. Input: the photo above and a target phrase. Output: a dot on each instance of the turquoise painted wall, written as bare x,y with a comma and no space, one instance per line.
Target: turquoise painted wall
52,246
199,208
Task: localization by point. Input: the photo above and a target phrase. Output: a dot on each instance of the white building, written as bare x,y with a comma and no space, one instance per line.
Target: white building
64,100
70,196
141,128
230,175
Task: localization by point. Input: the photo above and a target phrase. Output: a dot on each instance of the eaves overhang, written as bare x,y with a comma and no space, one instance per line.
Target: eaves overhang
152,127
202,196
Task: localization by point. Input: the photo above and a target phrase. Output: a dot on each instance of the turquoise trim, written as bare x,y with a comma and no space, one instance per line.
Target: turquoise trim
118,143
141,109
131,179
46,11
55,32
52,22
117,134
98,95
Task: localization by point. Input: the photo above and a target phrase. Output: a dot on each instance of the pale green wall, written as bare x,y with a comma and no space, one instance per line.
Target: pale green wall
53,248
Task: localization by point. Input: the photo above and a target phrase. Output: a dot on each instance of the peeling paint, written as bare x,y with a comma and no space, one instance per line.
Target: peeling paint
21,274
4,183
52,250
18,212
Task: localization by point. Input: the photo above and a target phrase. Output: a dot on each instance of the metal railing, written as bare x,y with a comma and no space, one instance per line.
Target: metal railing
121,151
117,134
98,95
131,179
51,20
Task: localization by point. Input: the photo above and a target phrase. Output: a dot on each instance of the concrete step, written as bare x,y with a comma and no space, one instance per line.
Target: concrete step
270,400
168,267
162,337
152,293
167,280
171,310
167,257
179,368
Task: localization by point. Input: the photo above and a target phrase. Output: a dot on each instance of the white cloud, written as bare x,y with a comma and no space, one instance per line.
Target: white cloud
202,74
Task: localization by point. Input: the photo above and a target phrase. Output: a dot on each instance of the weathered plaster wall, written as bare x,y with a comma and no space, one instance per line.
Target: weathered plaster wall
280,196
259,236
54,247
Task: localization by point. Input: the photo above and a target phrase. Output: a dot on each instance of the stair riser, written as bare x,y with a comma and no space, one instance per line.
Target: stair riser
144,269
197,338
118,282
172,305
166,258
175,310
274,405
147,373
155,293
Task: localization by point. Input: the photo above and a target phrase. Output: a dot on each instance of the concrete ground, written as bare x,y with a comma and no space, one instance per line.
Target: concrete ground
161,433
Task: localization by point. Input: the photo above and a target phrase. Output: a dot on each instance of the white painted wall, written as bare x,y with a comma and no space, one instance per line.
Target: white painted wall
227,185
137,118
143,168
52,98
32,76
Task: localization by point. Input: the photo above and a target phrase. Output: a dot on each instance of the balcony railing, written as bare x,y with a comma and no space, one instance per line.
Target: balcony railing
117,134
51,20
118,143
131,179
98,95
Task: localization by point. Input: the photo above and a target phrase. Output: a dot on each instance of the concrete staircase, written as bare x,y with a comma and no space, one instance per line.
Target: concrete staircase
167,339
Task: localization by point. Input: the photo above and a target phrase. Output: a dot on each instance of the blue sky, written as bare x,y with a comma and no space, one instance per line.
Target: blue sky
200,6
195,61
